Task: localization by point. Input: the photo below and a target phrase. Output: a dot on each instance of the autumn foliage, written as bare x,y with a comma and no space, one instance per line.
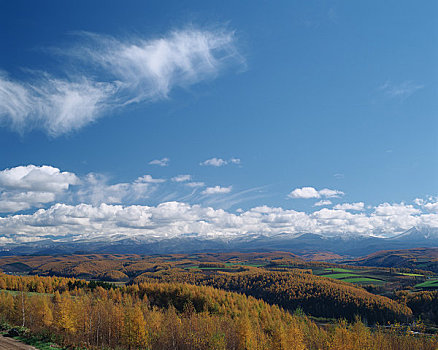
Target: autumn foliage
177,316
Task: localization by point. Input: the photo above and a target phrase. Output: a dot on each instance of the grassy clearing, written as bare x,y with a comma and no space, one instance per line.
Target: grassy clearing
363,280
39,344
337,269
410,274
243,264
16,292
428,284
339,276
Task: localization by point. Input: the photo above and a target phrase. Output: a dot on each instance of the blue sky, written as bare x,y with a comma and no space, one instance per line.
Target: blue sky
288,99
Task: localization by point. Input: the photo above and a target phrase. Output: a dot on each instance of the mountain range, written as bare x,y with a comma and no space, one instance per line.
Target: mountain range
306,243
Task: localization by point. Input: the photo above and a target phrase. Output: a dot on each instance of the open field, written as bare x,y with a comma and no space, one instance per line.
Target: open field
432,283
339,275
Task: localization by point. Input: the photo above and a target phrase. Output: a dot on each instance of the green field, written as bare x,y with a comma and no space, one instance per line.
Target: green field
362,280
16,292
351,276
433,283
337,269
410,274
340,275
244,264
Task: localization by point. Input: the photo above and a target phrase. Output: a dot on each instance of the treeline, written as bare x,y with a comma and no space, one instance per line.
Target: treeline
317,296
181,316
423,304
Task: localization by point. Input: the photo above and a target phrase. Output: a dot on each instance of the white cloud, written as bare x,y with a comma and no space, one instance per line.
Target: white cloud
304,192
96,190
350,206
325,192
195,184
149,179
430,204
433,207
217,190
153,67
322,202
182,178
217,162
310,192
109,209
401,90
125,71
419,201
397,217
397,209
58,106
172,219
160,162
25,187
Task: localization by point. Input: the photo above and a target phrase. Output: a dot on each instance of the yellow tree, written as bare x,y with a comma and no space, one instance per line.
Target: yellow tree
40,313
134,328
65,318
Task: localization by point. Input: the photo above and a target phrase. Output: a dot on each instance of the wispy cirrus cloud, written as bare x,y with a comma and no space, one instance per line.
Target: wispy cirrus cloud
55,105
182,178
96,189
217,190
400,90
195,184
132,70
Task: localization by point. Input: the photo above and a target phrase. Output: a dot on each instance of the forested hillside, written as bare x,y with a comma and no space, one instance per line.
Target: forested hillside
177,316
317,296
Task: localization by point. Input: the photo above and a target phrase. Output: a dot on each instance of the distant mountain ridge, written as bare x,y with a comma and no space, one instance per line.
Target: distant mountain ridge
416,258
308,242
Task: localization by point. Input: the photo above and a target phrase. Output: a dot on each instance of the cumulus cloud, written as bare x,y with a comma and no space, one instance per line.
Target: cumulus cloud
430,204
217,190
310,192
397,209
172,219
30,186
160,162
119,209
304,192
182,178
214,162
350,206
217,162
125,71
322,203
149,179
235,161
